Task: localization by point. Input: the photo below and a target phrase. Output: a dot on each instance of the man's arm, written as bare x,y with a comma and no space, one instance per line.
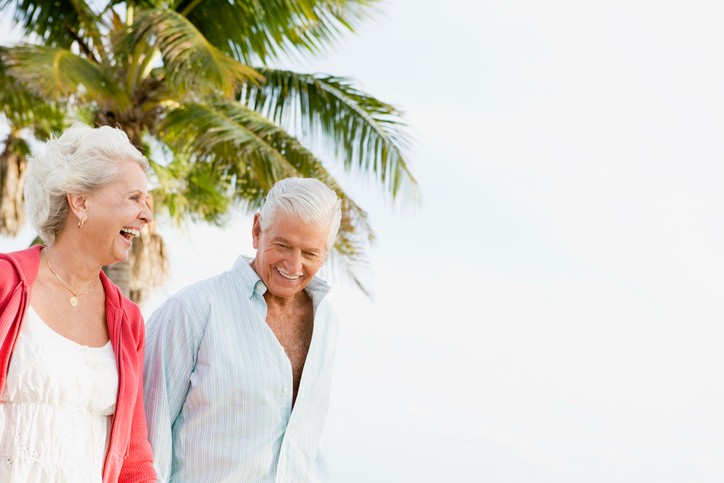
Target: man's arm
172,342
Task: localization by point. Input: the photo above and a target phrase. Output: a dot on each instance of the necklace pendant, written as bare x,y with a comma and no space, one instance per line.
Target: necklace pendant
74,301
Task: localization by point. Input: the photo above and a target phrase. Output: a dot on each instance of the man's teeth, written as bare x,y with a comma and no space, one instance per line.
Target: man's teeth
287,276
130,231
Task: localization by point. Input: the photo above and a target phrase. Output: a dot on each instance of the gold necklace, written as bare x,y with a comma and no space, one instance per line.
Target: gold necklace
74,296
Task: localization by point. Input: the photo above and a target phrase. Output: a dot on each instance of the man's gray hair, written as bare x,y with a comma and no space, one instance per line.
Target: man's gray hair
82,159
307,199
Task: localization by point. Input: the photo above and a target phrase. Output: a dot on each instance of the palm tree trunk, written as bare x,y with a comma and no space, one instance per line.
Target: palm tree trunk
120,274
13,164
149,264
145,268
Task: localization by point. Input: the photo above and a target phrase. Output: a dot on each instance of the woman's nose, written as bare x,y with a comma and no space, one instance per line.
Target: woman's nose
146,214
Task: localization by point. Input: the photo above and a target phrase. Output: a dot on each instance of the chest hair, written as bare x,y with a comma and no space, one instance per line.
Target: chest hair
293,329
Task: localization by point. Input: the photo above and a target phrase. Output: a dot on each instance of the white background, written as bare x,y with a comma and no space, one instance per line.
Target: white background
552,309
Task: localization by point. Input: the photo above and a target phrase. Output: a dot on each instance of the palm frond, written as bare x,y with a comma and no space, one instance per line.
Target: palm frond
24,109
230,141
273,27
60,23
189,192
191,63
57,74
47,19
365,133
251,153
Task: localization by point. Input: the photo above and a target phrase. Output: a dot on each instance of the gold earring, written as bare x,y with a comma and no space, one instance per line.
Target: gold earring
80,223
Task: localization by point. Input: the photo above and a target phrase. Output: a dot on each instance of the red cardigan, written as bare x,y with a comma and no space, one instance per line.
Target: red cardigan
129,457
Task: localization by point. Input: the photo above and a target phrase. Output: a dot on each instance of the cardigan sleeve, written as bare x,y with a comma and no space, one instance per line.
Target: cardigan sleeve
138,464
13,299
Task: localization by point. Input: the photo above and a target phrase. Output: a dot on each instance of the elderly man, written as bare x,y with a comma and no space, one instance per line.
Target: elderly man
238,367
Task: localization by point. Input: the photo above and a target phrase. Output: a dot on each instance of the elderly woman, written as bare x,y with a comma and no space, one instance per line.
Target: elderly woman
71,345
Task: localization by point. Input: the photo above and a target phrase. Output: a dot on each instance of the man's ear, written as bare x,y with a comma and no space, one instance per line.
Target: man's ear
256,230
78,205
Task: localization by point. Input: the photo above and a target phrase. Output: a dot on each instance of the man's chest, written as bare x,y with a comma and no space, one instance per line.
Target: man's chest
294,334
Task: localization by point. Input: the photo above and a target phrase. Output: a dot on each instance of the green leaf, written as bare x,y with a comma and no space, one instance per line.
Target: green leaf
189,192
251,154
23,109
192,65
56,74
61,23
255,30
365,134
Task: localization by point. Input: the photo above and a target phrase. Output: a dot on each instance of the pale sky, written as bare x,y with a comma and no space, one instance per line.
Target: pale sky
552,310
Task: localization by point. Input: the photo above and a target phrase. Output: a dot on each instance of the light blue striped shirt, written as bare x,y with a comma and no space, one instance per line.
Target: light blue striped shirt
218,386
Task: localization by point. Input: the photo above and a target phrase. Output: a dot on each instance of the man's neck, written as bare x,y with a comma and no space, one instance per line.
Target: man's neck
286,304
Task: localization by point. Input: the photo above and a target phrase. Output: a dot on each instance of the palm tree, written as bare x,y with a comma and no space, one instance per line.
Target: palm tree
192,84
24,112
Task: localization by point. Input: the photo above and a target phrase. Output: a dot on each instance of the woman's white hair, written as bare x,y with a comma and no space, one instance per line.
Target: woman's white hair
82,159
307,199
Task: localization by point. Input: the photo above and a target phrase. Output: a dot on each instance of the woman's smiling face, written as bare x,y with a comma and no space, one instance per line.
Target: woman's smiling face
116,213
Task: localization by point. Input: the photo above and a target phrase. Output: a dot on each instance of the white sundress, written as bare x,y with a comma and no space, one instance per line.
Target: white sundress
56,409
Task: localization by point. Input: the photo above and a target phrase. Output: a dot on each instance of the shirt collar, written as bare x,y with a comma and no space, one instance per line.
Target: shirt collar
252,283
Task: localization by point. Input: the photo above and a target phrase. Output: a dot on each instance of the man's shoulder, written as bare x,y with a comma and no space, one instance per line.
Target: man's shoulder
190,307
203,293
235,276
204,286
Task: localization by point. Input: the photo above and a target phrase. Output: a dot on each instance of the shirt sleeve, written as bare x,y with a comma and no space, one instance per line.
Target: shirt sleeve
172,342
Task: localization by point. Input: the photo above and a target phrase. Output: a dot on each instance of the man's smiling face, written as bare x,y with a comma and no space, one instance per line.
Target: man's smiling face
289,253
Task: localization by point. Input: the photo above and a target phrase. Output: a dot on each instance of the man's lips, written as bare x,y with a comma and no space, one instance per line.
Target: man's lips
288,276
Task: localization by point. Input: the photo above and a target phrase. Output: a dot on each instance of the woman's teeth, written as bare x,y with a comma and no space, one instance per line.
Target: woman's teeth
130,232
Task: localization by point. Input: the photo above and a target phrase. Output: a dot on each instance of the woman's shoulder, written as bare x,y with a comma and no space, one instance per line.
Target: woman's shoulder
21,265
129,308
27,256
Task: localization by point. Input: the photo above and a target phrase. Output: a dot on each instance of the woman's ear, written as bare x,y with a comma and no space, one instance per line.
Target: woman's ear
78,206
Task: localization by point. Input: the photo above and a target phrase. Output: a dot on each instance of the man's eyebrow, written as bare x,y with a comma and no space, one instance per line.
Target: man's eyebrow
281,238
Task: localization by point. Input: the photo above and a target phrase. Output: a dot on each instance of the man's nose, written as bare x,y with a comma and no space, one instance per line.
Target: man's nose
294,262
